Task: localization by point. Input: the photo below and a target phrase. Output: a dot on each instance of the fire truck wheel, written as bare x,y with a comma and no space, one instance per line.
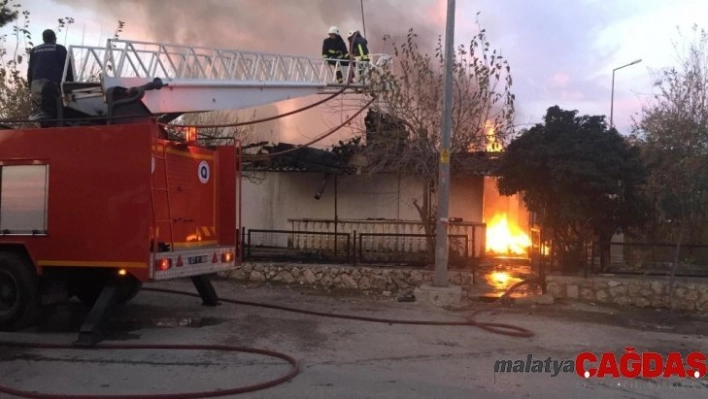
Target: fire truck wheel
19,304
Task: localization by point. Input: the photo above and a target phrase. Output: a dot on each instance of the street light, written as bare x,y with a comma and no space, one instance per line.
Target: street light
612,102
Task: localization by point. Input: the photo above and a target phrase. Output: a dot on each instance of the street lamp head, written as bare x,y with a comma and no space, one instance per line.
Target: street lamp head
626,65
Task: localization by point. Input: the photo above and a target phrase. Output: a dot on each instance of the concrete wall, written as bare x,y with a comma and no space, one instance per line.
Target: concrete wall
365,279
690,294
274,198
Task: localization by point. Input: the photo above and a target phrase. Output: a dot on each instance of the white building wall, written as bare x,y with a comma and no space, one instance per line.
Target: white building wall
279,196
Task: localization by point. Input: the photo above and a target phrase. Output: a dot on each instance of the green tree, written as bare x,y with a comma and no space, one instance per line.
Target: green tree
582,180
673,132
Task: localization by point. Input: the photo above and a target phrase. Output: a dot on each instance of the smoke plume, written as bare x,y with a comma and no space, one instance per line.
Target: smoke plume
284,26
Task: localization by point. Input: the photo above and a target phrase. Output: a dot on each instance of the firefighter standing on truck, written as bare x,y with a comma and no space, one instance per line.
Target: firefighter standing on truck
44,75
334,49
358,46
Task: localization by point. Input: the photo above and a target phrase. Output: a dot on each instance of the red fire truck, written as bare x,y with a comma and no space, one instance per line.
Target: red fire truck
101,198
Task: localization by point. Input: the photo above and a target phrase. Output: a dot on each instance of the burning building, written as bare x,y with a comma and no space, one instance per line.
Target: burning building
508,223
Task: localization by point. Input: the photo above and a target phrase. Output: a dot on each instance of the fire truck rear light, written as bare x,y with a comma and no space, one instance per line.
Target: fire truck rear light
179,261
163,264
227,257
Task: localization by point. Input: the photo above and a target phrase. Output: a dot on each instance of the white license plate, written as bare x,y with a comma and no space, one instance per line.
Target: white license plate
193,260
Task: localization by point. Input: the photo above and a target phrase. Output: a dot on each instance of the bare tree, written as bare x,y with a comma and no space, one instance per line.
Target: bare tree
403,130
15,102
674,134
14,51
7,14
210,135
207,132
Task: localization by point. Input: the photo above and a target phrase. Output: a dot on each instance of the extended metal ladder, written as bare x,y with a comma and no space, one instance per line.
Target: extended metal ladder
198,78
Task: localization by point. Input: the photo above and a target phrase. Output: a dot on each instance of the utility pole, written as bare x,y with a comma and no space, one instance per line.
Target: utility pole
441,247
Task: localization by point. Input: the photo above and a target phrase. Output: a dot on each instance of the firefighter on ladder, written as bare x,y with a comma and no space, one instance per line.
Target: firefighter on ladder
358,46
44,75
334,50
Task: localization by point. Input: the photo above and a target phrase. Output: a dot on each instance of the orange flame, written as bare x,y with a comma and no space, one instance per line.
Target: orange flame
503,238
492,144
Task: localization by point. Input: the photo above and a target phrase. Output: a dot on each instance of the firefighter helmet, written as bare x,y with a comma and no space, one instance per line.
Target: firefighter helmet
333,30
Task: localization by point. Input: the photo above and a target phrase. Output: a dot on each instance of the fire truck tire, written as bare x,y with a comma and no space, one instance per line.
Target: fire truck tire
19,300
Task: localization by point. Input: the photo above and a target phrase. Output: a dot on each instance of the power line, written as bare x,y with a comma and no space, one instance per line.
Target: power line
310,143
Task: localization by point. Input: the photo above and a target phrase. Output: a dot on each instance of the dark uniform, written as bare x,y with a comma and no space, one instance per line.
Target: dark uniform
44,74
358,46
334,48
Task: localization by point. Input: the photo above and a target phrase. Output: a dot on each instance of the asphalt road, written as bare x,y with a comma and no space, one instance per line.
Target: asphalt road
339,358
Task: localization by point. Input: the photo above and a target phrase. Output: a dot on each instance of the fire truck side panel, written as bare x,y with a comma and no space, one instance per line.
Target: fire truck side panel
97,204
190,201
227,198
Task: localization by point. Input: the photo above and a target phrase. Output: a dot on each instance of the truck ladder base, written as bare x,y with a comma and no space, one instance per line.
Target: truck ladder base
91,332
206,290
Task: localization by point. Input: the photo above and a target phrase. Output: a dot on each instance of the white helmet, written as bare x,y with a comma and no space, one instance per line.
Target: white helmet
351,33
333,30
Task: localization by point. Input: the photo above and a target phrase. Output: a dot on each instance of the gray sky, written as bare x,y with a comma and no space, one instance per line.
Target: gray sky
562,52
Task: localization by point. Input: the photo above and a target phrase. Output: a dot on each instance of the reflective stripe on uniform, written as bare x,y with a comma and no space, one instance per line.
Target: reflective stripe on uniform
362,56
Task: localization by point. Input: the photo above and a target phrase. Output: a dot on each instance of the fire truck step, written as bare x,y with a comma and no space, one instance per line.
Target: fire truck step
206,290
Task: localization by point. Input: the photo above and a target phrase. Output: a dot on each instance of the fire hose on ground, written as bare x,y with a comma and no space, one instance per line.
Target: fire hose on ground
496,328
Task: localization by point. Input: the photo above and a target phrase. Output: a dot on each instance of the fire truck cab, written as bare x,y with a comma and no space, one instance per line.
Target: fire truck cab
106,200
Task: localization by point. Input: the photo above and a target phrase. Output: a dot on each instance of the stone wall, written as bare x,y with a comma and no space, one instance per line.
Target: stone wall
374,280
690,294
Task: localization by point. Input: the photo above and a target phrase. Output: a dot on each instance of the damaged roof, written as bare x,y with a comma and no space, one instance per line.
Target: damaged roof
305,159
481,163
311,160
350,157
